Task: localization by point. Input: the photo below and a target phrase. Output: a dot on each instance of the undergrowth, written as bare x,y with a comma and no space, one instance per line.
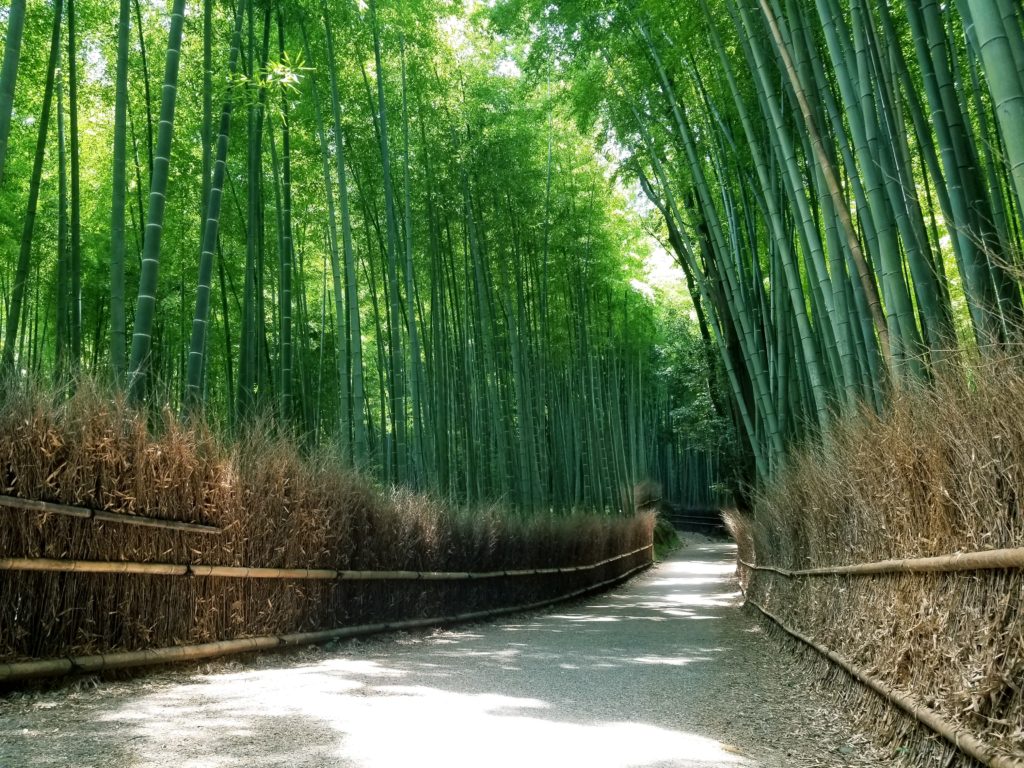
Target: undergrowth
940,471
277,507
666,539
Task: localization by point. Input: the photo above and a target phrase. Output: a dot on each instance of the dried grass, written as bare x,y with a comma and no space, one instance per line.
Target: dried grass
941,472
277,507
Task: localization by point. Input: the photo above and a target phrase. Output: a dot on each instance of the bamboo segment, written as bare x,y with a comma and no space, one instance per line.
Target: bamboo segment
243,572
87,566
44,506
97,663
152,522
104,661
23,670
261,573
99,515
965,742
994,559
402,575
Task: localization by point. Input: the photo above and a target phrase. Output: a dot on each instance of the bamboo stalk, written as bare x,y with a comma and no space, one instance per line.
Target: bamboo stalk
97,663
103,516
994,559
22,670
87,566
104,661
962,740
44,506
262,573
99,515
708,521
402,575
244,572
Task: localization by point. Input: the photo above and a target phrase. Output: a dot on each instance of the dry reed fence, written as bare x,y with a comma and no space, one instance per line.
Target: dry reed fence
274,509
942,472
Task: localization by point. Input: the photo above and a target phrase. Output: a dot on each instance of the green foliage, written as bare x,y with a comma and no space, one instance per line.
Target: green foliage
534,375
826,173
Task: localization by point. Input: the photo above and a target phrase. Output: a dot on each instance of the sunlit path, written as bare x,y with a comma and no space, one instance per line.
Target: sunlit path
655,673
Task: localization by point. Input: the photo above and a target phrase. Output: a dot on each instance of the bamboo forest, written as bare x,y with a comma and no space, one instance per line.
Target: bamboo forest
362,225
472,290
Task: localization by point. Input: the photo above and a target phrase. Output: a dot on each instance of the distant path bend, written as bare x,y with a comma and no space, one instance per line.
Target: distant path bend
664,671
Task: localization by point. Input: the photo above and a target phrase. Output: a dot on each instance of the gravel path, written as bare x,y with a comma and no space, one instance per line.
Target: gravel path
663,671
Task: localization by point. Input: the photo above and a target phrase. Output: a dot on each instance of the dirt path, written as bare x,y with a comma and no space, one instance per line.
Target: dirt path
664,671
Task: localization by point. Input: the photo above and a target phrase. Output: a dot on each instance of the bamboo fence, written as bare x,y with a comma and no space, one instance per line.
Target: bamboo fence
325,574
102,516
997,559
959,738
993,559
101,662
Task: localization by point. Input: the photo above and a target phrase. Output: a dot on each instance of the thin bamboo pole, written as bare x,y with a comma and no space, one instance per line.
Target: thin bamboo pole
965,742
86,566
242,572
994,559
90,664
102,516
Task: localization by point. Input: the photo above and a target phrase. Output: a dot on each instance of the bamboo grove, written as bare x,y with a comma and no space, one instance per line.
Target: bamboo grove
842,181
357,221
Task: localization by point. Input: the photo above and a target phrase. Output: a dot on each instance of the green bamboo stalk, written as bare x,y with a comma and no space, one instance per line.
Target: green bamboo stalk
396,355
145,308
119,185
61,287
9,73
287,247
24,254
1004,80
417,458
76,195
197,345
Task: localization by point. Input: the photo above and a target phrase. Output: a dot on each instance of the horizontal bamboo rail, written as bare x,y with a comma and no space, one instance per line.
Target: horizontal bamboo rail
89,566
242,572
102,516
705,521
962,740
22,670
994,559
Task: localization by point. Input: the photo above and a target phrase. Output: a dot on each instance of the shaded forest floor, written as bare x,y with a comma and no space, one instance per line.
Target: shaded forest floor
663,671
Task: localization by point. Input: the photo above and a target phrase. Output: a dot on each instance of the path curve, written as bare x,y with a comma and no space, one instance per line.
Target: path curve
664,671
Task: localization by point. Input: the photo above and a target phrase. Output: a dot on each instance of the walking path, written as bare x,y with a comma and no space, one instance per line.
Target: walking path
663,671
